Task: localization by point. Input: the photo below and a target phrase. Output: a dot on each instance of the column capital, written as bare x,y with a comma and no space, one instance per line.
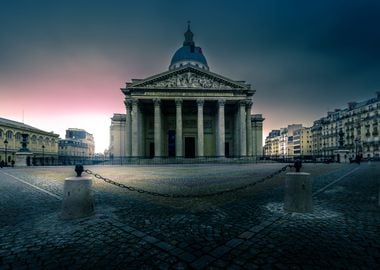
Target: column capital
157,101
128,103
200,101
249,103
135,102
221,102
178,101
242,102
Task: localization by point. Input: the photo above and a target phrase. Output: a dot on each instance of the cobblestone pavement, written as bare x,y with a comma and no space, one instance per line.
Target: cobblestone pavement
243,230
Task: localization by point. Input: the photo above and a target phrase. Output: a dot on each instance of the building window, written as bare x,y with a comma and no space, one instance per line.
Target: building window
9,134
18,136
1,133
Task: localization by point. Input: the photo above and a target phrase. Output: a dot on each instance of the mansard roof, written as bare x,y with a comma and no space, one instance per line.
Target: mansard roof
14,124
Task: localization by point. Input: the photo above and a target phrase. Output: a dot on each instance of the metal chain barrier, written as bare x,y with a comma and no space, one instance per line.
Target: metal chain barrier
188,196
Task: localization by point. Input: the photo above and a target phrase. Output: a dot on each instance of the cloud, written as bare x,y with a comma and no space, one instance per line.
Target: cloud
303,57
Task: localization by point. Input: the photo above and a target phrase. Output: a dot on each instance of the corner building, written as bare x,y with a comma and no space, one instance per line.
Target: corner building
188,111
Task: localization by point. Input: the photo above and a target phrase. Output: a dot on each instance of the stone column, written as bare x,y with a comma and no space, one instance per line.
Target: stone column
157,127
221,136
249,129
243,130
200,148
135,128
178,132
128,128
236,132
141,130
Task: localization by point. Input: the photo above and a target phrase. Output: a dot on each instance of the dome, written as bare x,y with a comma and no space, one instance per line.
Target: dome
188,54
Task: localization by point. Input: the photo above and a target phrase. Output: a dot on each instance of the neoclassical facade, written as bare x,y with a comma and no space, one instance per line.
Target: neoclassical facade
43,145
187,112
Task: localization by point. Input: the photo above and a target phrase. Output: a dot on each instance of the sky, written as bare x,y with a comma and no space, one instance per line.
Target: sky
62,63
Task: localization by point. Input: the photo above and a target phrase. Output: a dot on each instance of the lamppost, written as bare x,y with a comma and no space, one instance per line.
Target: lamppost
43,155
6,152
357,140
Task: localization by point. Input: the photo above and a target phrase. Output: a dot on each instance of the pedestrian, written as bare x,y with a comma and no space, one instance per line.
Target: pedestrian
13,163
358,159
2,164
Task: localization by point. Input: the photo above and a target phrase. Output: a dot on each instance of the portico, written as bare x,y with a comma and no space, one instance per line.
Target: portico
181,126
188,111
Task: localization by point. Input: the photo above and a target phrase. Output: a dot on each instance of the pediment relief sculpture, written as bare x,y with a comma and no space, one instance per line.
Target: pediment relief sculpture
189,80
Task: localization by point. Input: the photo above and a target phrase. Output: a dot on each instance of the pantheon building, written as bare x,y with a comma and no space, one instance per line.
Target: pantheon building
187,112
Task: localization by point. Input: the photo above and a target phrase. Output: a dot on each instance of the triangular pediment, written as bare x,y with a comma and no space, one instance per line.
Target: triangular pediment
188,77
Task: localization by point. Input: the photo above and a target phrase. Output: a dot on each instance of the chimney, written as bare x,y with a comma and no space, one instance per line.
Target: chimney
351,105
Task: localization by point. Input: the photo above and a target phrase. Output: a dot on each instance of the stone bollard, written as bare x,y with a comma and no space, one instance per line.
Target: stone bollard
298,193
77,198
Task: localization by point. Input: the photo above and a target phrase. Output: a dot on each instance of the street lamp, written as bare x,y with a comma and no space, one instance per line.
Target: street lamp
6,152
357,140
43,155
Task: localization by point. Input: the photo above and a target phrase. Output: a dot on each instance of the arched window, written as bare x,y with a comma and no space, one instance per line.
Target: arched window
18,136
1,133
9,134
40,139
34,139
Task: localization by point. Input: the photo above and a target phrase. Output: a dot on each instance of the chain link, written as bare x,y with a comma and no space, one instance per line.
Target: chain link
186,196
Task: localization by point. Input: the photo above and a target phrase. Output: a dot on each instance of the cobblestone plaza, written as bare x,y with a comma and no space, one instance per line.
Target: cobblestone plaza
245,229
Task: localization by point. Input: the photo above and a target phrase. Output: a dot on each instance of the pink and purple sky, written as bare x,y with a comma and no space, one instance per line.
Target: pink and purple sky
62,63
